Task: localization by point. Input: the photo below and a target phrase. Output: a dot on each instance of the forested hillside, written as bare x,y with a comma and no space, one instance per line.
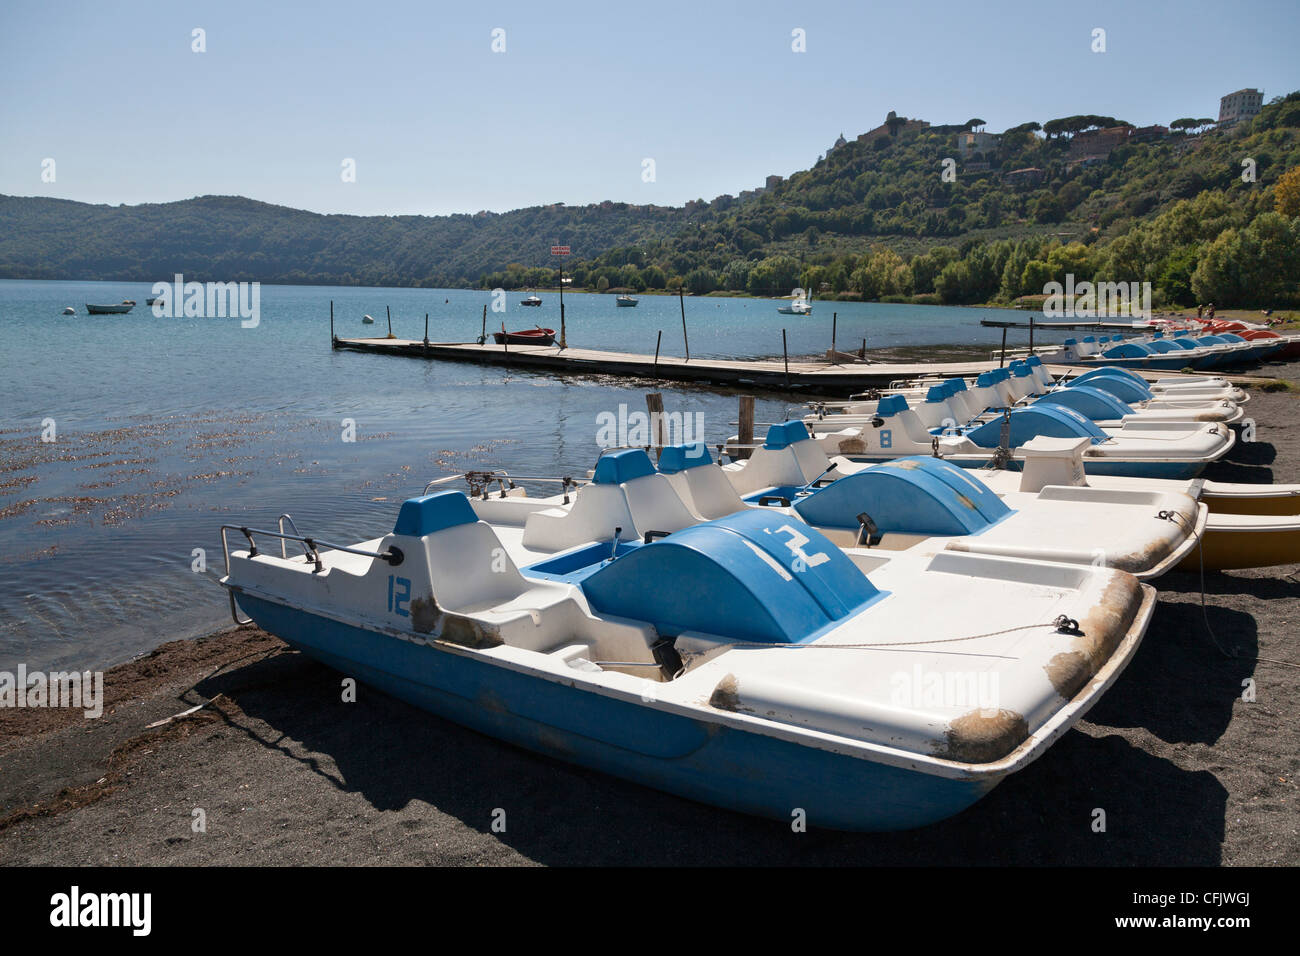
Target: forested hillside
1200,216
230,238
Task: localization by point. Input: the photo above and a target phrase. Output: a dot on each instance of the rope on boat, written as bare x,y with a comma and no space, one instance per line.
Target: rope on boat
1179,519
1205,614
1062,625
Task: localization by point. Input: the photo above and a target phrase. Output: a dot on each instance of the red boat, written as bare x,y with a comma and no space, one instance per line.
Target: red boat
537,336
1290,351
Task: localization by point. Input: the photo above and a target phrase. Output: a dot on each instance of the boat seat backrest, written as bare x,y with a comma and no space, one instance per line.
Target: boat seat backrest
788,456
811,458
938,409
625,492
597,510
959,400
1041,375
655,505
895,411
468,566
708,492
466,562
1021,384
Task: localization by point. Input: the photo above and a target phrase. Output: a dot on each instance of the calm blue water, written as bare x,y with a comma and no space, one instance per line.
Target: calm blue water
167,428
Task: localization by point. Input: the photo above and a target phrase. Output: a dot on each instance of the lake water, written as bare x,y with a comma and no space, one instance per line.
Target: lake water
164,429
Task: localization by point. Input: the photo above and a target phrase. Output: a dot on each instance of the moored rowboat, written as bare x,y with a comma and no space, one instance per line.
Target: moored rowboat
537,336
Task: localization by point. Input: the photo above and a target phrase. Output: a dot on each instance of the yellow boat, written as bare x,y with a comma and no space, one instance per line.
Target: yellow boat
1250,526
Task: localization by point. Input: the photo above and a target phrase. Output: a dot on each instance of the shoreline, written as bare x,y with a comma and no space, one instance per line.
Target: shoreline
1187,771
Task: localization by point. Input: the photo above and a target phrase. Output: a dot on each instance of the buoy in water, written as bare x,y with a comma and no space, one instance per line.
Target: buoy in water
69,311
367,320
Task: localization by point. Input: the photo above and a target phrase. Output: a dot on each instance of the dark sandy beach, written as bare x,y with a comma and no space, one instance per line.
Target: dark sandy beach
1186,771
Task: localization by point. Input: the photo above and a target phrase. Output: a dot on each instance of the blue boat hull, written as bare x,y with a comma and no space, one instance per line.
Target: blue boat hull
701,760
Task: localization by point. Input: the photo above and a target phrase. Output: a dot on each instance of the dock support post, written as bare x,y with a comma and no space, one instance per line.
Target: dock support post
390,321
862,352
482,339
786,353
564,341
1031,333
654,402
426,330
835,317
1002,360
658,341
745,432
333,338
682,302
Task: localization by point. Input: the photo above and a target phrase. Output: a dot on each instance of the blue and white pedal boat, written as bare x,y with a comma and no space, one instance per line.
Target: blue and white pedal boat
1151,449
1111,398
746,662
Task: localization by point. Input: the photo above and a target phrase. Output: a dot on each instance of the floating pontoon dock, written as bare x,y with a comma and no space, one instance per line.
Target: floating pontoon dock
819,377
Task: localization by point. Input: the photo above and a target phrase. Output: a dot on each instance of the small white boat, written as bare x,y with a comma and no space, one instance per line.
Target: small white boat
533,300
626,302
1143,450
367,320
747,661
796,307
1109,398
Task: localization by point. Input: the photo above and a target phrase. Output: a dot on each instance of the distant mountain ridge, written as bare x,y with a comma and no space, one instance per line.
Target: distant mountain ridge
231,238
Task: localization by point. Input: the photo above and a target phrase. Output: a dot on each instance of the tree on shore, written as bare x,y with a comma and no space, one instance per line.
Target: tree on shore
1286,194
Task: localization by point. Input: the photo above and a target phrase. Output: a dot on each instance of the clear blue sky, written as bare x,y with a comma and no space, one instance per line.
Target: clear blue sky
439,123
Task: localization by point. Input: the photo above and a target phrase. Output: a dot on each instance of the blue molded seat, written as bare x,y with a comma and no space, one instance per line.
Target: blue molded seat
751,576
675,458
1052,421
1095,403
1121,386
1113,370
1128,350
430,513
916,495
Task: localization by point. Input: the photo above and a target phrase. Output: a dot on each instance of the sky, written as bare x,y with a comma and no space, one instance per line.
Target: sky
574,98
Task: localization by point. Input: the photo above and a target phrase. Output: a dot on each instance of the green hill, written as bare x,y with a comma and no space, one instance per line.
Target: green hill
230,238
876,219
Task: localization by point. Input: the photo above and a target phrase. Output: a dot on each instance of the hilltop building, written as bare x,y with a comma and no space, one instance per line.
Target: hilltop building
969,143
1094,146
883,130
1238,106
1148,134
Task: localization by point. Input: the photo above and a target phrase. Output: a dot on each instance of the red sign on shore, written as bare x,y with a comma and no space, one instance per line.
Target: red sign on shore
559,250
